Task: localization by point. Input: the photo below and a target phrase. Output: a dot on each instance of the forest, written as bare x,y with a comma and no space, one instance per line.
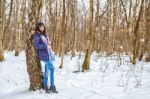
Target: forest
108,36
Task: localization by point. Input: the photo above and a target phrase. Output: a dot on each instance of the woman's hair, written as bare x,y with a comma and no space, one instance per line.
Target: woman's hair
37,27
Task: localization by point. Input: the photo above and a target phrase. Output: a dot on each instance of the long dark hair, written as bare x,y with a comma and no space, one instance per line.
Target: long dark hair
37,27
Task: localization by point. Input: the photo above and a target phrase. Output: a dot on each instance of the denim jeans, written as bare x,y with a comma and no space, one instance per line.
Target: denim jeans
49,67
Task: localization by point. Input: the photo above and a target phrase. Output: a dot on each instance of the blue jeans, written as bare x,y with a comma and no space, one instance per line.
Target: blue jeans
49,67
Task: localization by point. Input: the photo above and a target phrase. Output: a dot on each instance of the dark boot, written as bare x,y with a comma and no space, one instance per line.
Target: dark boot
53,89
42,77
47,90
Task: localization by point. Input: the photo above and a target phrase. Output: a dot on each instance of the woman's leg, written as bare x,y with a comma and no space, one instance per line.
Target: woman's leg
51,68
46,74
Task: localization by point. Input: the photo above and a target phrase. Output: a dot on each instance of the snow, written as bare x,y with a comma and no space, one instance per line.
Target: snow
106,79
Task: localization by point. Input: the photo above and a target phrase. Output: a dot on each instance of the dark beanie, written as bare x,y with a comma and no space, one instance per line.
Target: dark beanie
38,24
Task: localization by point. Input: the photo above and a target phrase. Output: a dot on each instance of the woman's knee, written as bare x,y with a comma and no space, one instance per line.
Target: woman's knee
52,68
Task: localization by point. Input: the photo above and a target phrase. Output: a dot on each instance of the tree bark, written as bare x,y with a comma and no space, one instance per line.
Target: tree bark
73,18
33,63
147,32
17,36
2,12
136,43
86,62
62,34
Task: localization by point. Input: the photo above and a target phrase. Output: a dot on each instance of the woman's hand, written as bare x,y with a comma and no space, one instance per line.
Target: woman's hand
49,47
49,43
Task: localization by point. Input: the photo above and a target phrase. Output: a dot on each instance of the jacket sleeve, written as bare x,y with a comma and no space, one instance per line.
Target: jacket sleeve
37,45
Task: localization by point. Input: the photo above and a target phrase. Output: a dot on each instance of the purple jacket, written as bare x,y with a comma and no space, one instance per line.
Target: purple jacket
41,47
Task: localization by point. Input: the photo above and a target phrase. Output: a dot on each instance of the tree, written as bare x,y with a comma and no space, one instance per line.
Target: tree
62,34
147,30
17,31
2,15
137,43
1,32
10,13
33,63
73,21
86,62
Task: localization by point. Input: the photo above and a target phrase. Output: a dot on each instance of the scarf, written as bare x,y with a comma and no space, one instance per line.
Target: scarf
50,53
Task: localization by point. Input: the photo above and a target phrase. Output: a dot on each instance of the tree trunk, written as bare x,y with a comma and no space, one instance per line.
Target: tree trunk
136,43
33,66
2,12
62,35
86,62
17,29
33,63
147,32
73,18
10,13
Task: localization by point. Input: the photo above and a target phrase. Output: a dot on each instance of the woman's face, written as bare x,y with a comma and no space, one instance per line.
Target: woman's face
42,28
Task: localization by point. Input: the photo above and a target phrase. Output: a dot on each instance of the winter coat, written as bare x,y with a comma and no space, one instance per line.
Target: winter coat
41,47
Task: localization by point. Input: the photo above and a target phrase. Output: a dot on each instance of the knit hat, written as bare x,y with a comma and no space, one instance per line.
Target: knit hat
38,24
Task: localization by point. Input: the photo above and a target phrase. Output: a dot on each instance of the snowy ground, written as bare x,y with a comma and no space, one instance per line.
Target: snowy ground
105,79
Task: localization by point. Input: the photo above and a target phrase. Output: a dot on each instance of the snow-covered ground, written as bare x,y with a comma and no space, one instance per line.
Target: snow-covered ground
106,79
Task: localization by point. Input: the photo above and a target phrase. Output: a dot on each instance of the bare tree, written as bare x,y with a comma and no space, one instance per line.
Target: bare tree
86,62
73,21
137,43
17,36
62,34
2,15
33,63
147,40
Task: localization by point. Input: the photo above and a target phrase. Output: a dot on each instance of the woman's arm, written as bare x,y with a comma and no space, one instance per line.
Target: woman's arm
37,45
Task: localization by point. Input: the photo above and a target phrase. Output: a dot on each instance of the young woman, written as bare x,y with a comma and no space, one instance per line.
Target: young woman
42,44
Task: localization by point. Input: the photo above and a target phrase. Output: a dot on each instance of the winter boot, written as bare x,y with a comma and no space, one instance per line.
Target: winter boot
53,89
43,87
47,90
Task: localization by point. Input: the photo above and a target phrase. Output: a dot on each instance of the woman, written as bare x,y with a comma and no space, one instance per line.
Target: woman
41,43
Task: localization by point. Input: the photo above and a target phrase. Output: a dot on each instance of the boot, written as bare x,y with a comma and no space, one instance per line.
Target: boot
42,77
53,89
47,90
